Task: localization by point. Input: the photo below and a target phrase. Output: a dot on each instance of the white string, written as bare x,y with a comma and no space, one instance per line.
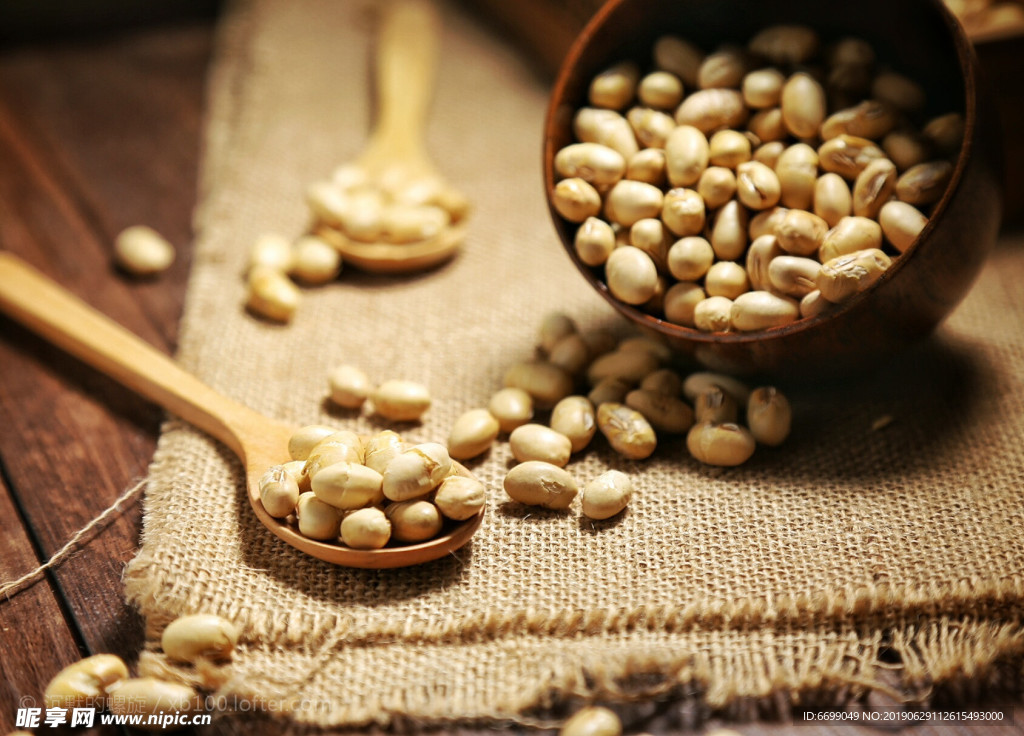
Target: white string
10,588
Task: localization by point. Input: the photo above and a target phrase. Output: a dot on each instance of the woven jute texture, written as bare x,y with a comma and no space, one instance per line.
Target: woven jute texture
856,557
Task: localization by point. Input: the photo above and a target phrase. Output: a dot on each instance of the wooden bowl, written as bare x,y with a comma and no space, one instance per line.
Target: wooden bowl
921,39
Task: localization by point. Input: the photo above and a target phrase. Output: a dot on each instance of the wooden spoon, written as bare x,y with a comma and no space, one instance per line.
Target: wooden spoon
395,156
61,318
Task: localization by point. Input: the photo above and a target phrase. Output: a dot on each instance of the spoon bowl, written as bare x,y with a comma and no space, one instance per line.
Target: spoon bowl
260,442
920,38
395,162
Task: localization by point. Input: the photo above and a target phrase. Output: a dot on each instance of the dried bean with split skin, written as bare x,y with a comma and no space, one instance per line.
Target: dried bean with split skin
627,430
873,187
845,276
537,483
769,416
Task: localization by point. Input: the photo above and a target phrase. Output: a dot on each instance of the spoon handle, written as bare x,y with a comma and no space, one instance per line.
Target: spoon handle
406,64
61,318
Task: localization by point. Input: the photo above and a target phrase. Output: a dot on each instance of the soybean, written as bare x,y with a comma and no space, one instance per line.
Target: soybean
769,416
199,636
459,497
606,495
537,442
627,430
472,434
86,683
142,251
720,444
401,400
414,520
537,483
367,528
512,407
574,417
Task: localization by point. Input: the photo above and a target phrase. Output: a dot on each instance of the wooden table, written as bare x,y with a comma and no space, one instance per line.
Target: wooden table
95,135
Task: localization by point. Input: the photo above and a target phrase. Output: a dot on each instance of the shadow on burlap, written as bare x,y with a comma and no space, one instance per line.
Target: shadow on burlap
854,558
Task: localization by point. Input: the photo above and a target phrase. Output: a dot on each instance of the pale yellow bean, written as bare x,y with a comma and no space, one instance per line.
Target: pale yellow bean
459,497
728,148
763,88
545,383
341,447
680,303
315,261
537,442
832,198
594,241
148,697
607,127
873,187
279,492
690,258
769,416
759,257
596,164
317,519
770,129
629,201
85,683
631,275
302,442
199,636
615,86
604,497
411,223
683,212
717,185
575,418
925,183
761,310
660,89
536,483
757,186
627,430
576,200
401,400
845,276
869,119
413,521
848,236
800,232
142,251
713,314
272,294
715,406
349,386
794,276
901,224
797,169
665,413
367,528
803,105
472,434
814,304
651,236
726,278
848,155
648,165
729,231
512,407
651,127
553,327
348,485
416,472
686,155
711,109
720,444
382,448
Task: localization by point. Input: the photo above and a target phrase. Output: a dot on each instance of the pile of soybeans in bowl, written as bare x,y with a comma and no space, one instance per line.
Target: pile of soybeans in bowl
747,187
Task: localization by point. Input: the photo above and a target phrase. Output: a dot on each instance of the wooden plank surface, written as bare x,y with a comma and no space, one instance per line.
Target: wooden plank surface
97,134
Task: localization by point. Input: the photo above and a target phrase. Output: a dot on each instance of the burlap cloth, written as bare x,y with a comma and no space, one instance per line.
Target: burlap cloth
851,559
